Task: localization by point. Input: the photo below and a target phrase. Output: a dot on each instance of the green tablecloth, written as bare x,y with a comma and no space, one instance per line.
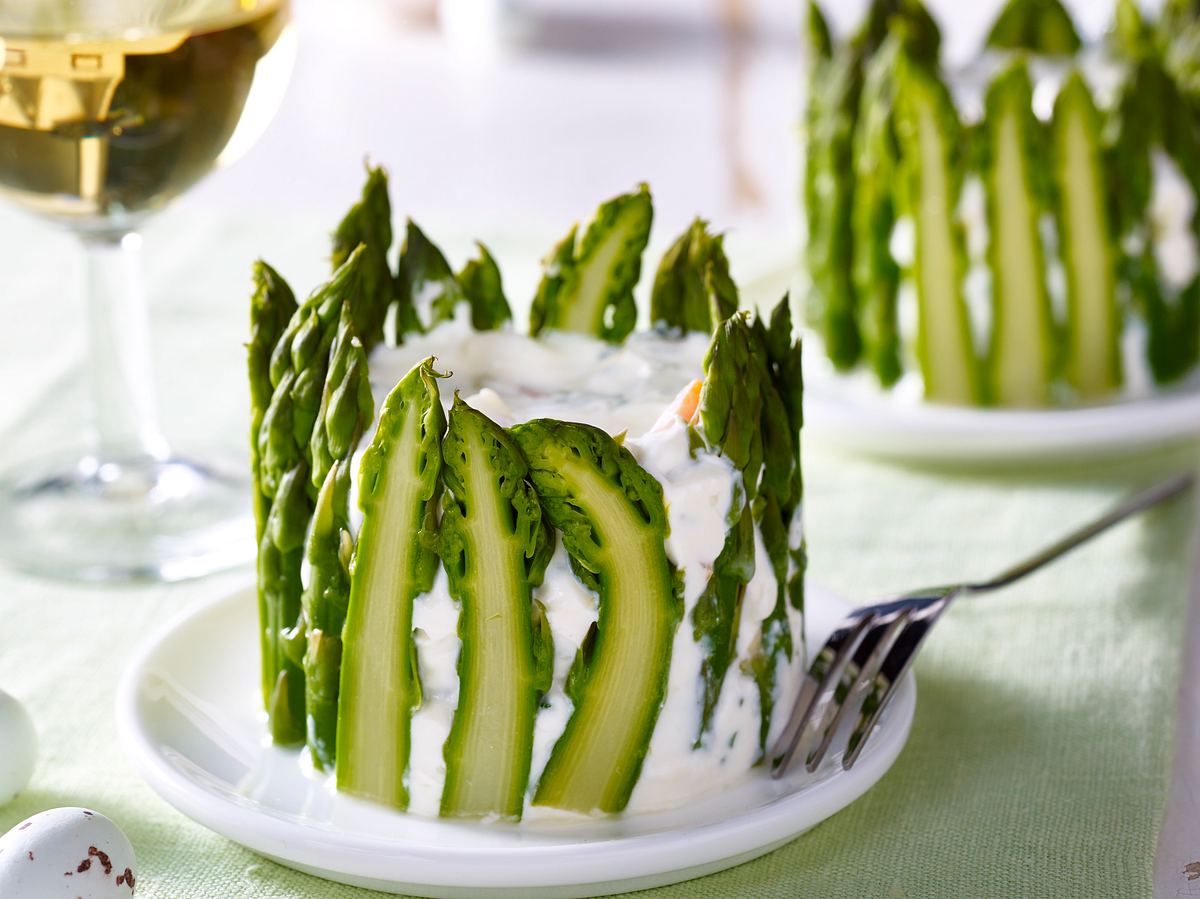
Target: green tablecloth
1039,758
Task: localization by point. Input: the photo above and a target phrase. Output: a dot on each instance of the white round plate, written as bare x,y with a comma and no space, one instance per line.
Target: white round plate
851,411
188,713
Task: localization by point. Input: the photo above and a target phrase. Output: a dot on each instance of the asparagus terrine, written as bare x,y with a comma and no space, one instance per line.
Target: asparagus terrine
1023,232
499,572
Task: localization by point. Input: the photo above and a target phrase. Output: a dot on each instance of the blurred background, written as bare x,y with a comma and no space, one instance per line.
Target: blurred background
523,114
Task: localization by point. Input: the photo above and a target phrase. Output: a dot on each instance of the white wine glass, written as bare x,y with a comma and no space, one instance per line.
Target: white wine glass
108,110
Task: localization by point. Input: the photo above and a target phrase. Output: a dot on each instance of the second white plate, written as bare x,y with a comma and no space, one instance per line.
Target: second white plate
188,711
849,411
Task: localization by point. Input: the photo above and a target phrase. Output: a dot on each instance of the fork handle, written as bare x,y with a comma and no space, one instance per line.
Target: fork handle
1136,503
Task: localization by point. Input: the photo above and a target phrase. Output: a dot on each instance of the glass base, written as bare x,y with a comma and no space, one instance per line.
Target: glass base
142,518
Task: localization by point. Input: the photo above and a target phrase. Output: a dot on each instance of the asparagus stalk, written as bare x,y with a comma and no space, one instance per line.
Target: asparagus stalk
717,613
730,414
590,288
495,546
613,524
693,290
1179,35
346,403
395,561
1175,333
1040,26
908,20
328,549
1021,360
930,179
346,410
778,508
426,287
271,306
555,266
834,84
480,281
1093,352
876,276
369,224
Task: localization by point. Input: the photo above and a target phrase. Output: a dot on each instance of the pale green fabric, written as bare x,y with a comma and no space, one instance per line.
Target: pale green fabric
1039,758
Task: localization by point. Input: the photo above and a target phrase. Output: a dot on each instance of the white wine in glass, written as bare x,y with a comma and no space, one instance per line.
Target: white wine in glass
108,110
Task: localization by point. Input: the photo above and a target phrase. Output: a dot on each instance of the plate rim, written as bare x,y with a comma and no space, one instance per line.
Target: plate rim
737,838
837,413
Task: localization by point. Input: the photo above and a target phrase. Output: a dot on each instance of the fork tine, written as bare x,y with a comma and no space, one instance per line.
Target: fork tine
842,642
899,659
869,658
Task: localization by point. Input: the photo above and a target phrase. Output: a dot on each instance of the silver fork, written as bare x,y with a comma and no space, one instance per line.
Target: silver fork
869,652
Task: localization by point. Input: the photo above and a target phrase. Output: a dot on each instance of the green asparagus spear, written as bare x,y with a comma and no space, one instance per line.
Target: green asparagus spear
480,281
1179,36
908,20
834,84
555,266
1093,351
346,410
543,643
271,306
1135,125
1174,326
495,546
613,524
329,548
346,403
1040,26
730,416
588,288
873,215
693,290
426,287
369,224
1021,362
395,561
716,615
930,179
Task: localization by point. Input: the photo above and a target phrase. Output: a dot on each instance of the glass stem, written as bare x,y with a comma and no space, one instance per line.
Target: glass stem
123,423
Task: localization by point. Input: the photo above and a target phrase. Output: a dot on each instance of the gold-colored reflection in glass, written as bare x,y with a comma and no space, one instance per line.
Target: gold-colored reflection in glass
94,128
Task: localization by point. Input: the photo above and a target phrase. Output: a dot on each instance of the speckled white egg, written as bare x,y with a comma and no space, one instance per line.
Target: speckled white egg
67,852
18,747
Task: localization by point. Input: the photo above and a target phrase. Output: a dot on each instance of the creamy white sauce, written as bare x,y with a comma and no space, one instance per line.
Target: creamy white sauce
972,214
1138,378
902,242
1172,212
570,608
435,631
625,389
